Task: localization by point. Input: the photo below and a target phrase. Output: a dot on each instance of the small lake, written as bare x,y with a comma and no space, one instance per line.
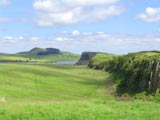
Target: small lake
65,62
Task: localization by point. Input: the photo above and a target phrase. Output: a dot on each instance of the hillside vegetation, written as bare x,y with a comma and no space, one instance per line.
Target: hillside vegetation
135,72
93,59
139,72
39,55
100,60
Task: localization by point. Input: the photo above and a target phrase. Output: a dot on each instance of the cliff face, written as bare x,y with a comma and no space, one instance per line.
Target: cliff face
138,74
49,51
86,57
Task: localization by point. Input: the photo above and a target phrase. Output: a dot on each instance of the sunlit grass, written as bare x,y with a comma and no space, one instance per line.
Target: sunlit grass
50,92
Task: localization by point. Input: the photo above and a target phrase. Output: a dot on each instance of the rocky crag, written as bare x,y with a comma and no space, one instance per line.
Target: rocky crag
85,58
136,72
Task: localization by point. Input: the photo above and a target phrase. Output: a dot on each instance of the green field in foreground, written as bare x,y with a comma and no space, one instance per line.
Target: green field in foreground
50,92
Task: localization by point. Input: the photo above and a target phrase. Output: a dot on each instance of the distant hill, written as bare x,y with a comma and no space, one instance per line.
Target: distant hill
35,52
39,55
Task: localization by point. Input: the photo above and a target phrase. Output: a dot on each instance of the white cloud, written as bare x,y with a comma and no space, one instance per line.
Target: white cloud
150,15
8,37
75,33
4,2
20,37
99,41
34,38
62,39
66,12
90,2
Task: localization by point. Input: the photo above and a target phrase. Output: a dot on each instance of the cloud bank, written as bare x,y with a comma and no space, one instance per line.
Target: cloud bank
67,12
78,42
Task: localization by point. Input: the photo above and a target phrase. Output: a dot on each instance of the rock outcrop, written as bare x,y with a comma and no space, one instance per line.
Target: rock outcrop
49,51
138,73
86,57
134,73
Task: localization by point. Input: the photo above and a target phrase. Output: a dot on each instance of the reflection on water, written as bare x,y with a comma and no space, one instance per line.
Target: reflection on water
65,62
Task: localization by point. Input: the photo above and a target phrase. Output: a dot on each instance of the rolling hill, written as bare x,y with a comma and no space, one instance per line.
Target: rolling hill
39,55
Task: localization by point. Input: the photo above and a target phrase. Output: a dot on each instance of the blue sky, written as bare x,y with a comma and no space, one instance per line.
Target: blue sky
116,26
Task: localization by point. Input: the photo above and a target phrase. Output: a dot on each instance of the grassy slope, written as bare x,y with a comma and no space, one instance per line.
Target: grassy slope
100,60
48,81
145,53
31,57
8,57
49,92
63,56
102,57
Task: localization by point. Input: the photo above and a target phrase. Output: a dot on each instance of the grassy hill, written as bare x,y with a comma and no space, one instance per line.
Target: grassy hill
48,92
104,57
100,60
32,53
35,56
135,72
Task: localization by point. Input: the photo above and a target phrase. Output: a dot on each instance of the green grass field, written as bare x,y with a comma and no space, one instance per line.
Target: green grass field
102,57
51,92
38,59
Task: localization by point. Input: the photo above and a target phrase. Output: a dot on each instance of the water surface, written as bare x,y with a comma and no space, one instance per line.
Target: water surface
65,62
